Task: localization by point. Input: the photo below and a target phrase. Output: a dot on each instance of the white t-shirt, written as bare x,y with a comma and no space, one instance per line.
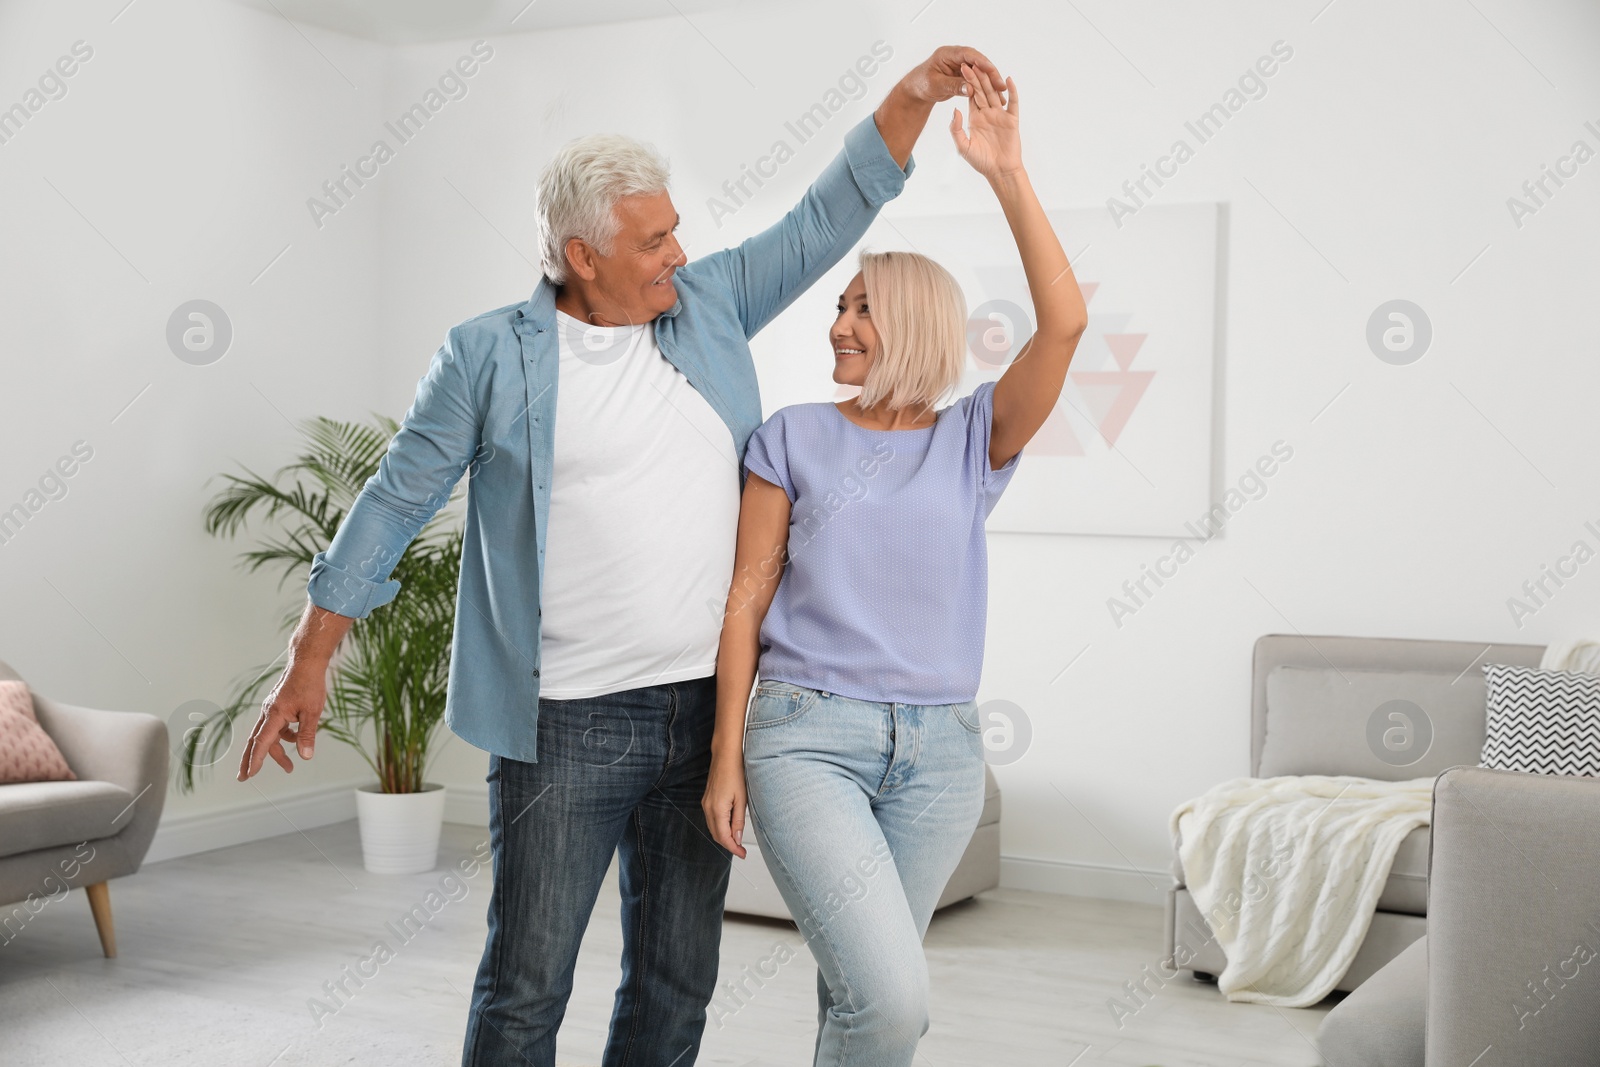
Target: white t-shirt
644,513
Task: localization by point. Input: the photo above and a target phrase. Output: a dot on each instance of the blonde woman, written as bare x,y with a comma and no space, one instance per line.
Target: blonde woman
860,588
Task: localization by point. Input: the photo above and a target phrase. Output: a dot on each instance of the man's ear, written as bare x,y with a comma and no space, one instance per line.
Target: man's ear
580,258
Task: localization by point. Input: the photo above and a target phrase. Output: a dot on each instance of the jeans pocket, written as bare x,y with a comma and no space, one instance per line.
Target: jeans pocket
967,715
776,703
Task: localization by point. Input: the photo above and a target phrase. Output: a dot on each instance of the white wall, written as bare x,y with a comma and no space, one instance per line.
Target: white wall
1377,166
186,146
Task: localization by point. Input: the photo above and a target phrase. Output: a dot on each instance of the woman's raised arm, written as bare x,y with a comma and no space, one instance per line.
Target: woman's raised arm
1030,386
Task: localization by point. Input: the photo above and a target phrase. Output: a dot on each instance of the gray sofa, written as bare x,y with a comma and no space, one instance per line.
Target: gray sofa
751,890
1509,974
55,836
1384,708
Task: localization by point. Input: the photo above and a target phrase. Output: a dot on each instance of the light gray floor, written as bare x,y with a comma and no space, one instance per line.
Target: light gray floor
220,954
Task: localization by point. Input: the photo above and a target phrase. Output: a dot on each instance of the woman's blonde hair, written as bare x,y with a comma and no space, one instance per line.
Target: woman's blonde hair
920,315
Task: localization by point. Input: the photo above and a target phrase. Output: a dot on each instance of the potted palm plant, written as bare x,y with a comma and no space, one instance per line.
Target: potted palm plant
387,684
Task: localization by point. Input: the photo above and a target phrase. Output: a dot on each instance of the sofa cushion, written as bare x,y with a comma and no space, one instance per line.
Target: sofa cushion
1383,1022
36,815
1386,724
1406,889
26,752
1542,721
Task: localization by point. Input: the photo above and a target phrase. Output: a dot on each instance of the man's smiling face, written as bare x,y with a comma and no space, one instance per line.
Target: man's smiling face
634,284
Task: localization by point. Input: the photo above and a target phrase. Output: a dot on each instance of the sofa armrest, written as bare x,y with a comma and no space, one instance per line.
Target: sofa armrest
1514,919
126,748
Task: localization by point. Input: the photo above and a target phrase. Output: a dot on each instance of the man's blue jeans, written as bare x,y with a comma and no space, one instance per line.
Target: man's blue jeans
862,810
621,773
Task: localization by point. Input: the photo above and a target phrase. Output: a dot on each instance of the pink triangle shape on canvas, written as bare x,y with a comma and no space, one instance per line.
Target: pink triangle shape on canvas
1124,347
1055,437
1088,289
1132,383
1100,398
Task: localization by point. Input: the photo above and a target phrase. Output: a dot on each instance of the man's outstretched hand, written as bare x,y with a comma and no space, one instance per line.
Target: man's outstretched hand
939,77
291,710
289,713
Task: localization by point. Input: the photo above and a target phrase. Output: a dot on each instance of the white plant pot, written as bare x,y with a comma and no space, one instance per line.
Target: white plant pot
400,831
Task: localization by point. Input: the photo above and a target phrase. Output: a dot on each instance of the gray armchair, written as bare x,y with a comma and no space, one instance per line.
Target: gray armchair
1509,973
58,835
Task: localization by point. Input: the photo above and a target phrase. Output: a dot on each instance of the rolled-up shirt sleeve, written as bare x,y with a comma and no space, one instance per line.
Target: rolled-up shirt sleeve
434,447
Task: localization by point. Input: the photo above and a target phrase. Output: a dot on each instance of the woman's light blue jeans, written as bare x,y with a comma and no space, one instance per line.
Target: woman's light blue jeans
862,810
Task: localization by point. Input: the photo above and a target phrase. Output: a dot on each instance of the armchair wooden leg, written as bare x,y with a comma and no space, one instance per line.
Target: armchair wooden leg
100,905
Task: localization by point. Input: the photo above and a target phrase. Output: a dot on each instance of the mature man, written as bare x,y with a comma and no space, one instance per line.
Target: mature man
598,722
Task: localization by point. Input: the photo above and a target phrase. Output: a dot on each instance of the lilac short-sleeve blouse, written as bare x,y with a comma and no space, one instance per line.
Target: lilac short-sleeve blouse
885,592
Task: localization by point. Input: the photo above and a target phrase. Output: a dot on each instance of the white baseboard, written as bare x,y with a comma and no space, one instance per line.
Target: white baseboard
468,805
1085,879
185,835
256,819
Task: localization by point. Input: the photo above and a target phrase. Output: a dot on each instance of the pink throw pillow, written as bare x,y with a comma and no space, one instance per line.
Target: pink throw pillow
26,752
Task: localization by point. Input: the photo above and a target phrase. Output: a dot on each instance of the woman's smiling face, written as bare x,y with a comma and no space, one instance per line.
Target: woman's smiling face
854,341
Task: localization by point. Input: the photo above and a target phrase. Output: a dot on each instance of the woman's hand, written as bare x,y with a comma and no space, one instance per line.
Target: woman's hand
994,145
723,802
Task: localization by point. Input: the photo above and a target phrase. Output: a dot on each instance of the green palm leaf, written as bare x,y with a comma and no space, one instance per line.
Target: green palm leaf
389,679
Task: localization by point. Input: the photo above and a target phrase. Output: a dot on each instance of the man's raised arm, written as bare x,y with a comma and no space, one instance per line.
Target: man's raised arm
768,271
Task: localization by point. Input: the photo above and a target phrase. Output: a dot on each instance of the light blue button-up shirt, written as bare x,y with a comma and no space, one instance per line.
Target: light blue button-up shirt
487,408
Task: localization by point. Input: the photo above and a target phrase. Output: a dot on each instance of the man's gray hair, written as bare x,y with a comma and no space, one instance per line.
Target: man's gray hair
579,190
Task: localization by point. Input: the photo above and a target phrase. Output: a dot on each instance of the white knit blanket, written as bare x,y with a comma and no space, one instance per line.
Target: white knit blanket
1581,654
1287,872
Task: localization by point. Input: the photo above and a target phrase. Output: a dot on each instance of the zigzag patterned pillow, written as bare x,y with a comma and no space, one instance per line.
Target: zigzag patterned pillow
1541,721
